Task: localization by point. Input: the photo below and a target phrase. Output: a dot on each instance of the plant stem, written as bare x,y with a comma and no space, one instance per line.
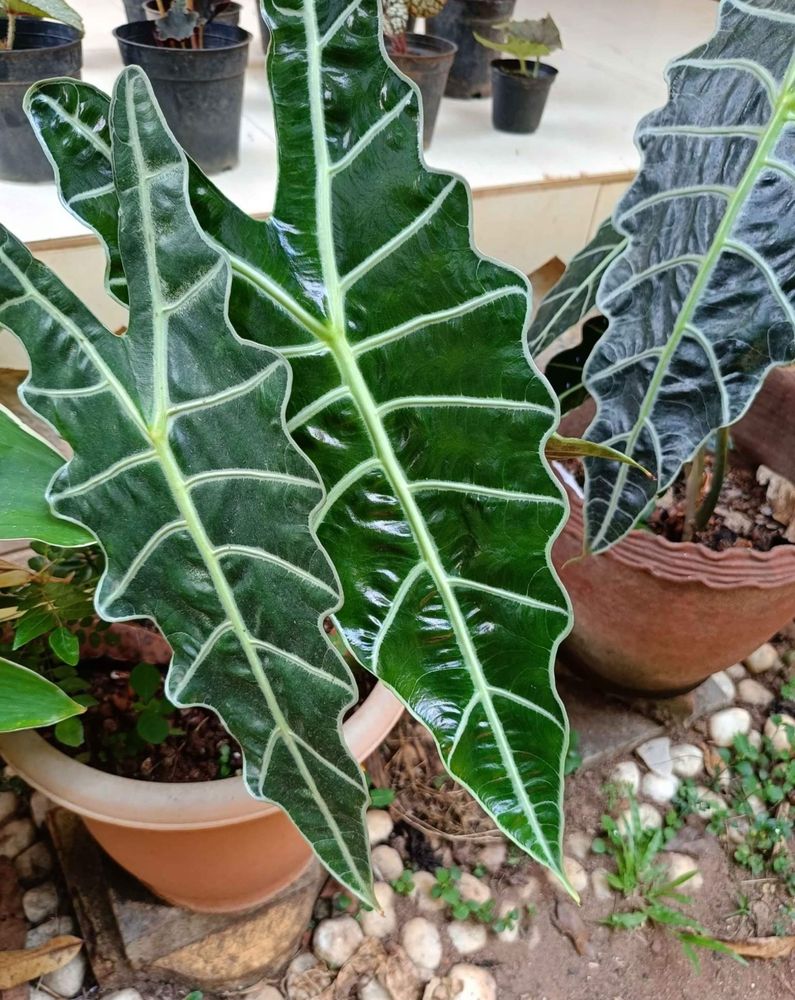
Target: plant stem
12,27
536,68
523,66
695,475
718,474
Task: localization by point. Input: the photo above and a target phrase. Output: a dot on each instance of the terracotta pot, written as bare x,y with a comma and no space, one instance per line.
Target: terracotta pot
207,846
658,617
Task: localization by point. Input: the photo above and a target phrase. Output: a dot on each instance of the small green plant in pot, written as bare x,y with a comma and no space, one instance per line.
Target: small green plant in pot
37,40
521,85
699,307
195,55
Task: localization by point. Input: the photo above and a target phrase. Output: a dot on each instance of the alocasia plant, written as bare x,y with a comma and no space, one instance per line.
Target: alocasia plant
701,300
58,10
411,394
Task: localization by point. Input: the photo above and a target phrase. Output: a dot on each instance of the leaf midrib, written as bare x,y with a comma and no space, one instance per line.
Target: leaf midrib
336,339
782,111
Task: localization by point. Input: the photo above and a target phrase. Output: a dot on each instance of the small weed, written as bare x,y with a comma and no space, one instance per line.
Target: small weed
404,886
743,903
381,798
446,889
573,756
642,878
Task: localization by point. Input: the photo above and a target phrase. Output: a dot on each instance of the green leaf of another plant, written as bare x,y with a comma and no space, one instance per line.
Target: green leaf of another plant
55,9
199,497
28,701
145,680
27,464
701,303
428,435
70,732
65,645
32,624
152,727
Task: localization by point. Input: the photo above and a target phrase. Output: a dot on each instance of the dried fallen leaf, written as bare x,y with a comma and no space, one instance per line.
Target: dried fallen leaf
17,967
568,920
14,578
763,947
398,975
781,497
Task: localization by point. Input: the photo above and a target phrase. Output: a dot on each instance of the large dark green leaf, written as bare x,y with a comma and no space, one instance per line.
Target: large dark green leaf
27,464
574,295
411,393
28,701
184,470
702,302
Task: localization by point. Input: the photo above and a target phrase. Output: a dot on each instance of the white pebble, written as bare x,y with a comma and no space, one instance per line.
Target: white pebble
757,806
709,803
380,925
737,829
755,739
15,837
679,865
626,773
528,891
473,983
736,671
131,994
472,889
379,826
656,755
387,863
658,788
303,962
34,863
687,760
492,856
373,990
40,805
728,723
753,693
467,937
725,685
336,939
779,732
575,873
8,806
762,659
423,945
421,894
54,927
578,845
68,981
648,817
40,902
600,885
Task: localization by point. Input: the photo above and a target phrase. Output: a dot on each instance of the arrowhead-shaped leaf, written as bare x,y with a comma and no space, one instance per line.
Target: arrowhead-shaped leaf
411,393
27,464
28,700
702,302
574,296
185,472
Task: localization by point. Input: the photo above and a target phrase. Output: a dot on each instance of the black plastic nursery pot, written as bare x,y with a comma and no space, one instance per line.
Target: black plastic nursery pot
458,22
519,98
228,13
134,10
427,62
199,90
41,49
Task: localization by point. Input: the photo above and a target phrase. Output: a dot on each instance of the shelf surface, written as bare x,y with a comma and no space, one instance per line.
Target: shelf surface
611,73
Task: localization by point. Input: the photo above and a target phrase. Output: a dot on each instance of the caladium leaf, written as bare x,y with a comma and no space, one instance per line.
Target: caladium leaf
28,700
57,10
574,296
411,393
185,472
701,303
27,464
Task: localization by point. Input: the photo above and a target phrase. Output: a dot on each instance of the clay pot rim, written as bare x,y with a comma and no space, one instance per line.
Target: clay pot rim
690,562
149,805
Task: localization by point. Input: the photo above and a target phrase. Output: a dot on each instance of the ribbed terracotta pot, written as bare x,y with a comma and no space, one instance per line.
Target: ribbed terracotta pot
658,617
207,846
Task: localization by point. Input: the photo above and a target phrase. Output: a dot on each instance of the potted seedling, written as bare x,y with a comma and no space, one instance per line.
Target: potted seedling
425,59
195,57
520,86
459,22
37,40
689,572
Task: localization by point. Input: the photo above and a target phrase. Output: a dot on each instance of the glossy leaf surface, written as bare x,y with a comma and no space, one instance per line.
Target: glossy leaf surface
58,10
29,701
27,464
574,296
701,303
411,393
198,496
